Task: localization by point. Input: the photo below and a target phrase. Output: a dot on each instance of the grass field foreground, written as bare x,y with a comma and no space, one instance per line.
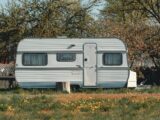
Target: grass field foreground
101,105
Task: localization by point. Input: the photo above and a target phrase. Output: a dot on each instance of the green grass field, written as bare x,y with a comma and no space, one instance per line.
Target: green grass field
119,104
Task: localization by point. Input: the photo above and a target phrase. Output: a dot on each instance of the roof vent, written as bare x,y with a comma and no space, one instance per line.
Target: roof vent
70,46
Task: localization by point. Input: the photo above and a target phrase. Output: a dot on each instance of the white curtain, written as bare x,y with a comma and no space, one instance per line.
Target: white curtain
112,58
66,57
35,59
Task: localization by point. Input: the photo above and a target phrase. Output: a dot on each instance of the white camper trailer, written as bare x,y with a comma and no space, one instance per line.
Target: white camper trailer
93,63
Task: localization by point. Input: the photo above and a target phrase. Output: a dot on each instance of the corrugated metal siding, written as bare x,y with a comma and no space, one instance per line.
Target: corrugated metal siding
112,75
110,44
48,75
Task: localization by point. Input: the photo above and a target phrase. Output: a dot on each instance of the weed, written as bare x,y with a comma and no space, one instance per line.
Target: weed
3,107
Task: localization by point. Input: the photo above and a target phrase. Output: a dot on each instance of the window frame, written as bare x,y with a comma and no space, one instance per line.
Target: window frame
103,59
65,60
46,58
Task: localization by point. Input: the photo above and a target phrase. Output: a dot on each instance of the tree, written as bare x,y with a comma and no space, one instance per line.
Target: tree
10,30
39,18
133,18
152,10
122,11
57,18
137,23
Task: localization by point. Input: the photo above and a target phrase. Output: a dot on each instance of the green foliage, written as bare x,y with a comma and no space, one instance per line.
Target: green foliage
3,107
3,104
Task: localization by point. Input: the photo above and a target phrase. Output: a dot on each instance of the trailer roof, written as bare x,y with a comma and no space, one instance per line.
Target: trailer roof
69,44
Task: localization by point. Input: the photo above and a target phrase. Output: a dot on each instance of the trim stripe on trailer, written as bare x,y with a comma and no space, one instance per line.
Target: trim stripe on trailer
50,52
69,68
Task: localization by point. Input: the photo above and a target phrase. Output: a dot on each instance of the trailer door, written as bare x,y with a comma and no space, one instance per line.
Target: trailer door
90,64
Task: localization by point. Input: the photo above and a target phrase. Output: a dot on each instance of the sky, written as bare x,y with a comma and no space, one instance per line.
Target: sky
95,12
2,2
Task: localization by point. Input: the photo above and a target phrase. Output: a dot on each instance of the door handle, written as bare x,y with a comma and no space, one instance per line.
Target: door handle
85,59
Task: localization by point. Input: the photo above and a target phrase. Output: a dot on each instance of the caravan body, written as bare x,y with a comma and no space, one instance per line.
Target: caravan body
100,63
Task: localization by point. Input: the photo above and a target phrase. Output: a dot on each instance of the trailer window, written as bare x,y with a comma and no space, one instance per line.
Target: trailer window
112,58
34,59
66,57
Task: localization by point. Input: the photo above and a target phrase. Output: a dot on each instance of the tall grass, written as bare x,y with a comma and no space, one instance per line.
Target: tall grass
44,105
